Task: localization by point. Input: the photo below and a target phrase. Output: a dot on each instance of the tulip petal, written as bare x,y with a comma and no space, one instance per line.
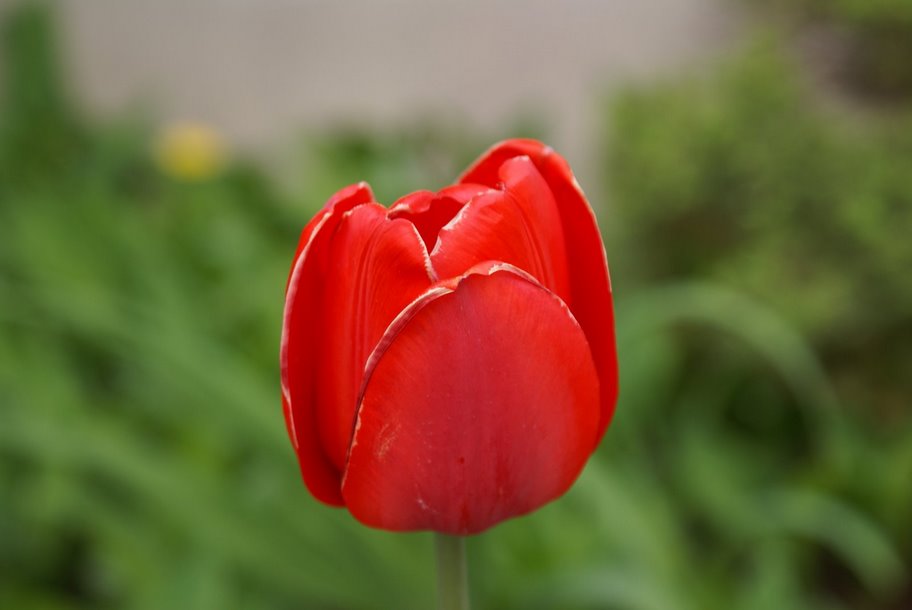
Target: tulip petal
480,403
351,251
589,295
463,192
341,202
516,223
427,211
377,267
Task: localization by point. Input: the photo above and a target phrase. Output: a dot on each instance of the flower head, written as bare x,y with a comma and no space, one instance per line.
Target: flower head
449,362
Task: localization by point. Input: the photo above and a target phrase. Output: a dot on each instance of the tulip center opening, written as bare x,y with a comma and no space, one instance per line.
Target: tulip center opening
429,217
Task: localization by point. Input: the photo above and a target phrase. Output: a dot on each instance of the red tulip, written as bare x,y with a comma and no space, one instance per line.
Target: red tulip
449,362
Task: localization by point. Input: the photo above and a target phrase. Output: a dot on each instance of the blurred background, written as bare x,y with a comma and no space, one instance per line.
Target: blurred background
750,162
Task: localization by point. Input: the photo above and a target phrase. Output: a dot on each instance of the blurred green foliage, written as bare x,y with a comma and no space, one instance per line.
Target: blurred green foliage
761,458
741,180
756,188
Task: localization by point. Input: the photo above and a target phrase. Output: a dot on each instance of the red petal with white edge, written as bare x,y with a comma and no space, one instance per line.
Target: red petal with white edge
517,223
589,285
344,200
376,268
322,275
481,403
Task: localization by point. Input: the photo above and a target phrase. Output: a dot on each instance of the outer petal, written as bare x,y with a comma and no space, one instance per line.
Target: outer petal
589,284
481,403
317,280
517,223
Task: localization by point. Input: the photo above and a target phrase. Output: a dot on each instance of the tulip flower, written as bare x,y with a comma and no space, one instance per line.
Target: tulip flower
449,362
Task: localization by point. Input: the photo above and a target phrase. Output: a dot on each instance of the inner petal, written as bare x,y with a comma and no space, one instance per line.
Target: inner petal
430,212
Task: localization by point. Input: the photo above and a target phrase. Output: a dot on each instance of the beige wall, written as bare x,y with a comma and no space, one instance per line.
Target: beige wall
257,68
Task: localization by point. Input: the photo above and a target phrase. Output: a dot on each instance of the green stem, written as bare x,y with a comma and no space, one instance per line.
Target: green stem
452,576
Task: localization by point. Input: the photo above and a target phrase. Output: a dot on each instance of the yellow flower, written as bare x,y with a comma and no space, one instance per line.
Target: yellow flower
190,151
